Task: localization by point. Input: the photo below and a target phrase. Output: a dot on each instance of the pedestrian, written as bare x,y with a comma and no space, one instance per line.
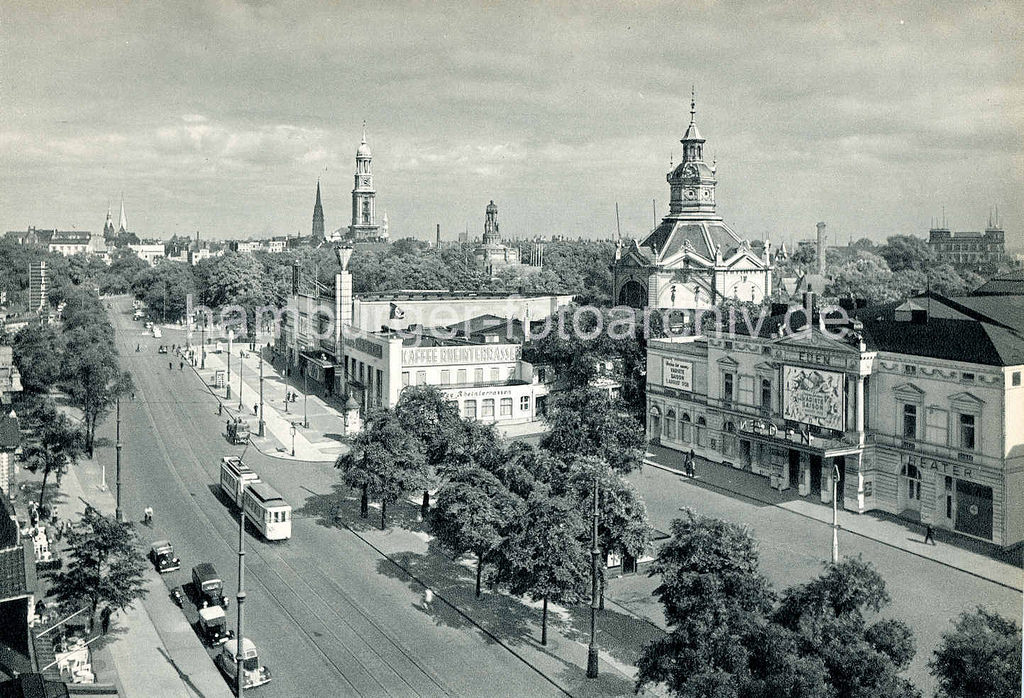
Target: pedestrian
929,534
256,408
181,365
691,458
428,598
105,619
170,365
147,516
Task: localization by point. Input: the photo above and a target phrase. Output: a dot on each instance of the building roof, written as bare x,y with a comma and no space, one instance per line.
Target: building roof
706,238
1008,284
1004,310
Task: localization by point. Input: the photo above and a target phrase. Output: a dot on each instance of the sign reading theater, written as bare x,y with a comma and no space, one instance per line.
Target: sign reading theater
813,397
445,356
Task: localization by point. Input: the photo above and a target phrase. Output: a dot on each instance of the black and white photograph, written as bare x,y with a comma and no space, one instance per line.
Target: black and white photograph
511,349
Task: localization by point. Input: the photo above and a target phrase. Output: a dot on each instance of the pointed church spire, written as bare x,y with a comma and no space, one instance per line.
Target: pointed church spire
122,226
318,214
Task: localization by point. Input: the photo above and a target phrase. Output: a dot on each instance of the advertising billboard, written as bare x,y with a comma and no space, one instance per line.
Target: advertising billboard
677,374
813,397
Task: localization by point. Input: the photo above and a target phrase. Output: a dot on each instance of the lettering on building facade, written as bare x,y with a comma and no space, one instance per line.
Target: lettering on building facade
677,374
441,356
365,345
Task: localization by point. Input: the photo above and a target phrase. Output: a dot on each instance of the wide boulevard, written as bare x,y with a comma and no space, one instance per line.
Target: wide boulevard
328,614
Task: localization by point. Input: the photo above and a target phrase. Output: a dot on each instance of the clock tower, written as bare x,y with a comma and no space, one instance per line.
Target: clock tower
364,204
692,182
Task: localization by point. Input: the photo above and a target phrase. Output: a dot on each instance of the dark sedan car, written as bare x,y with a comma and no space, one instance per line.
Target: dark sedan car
161,554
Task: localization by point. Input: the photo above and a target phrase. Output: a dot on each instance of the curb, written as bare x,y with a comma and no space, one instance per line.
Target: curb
828,525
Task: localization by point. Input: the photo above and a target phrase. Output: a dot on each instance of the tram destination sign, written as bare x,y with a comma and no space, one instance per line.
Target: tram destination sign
814,397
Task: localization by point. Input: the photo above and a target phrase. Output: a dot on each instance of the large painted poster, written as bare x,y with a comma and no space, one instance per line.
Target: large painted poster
813,397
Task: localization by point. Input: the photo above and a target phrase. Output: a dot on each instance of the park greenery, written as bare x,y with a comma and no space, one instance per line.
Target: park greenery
979,656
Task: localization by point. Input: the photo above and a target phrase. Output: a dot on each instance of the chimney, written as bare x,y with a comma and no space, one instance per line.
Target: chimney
438,236
821,249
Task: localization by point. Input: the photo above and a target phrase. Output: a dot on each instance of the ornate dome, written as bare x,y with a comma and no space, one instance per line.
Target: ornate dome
363,151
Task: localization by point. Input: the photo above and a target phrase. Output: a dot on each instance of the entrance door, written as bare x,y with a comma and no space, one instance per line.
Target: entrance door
794,469
974,509
816,474
745,454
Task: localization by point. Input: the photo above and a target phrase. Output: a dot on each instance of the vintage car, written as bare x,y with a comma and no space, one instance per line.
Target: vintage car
213,626
238,430
208,586
254,674
161,554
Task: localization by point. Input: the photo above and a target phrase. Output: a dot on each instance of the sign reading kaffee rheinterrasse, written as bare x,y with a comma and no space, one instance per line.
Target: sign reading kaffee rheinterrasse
813,397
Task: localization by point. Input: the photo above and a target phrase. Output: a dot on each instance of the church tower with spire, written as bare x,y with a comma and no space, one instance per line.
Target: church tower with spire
108,226
318,215
692,260
122,226
364,205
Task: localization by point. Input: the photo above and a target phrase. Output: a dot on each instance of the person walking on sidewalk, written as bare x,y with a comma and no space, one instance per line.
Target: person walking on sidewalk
929,534
690,464
105,619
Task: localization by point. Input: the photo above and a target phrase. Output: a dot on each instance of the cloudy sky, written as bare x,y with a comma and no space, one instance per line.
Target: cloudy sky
220,116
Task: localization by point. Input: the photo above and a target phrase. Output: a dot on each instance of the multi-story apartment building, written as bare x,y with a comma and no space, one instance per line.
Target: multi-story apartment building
917,409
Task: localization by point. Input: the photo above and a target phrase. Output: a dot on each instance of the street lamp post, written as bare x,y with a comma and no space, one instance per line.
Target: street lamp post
241,365
261,423
305,395
202,349
293,439
595,554
118,512
835,513
240,596
227,395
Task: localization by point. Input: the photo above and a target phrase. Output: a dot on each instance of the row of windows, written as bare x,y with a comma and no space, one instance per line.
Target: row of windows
965,438
469,407
461,375
746,390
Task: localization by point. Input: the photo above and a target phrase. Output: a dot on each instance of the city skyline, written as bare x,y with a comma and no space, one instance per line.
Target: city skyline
222,116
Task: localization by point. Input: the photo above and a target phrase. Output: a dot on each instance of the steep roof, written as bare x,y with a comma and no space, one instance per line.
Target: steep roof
1009,284
706,238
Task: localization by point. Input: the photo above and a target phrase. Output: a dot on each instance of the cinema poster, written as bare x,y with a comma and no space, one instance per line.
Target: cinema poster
813,397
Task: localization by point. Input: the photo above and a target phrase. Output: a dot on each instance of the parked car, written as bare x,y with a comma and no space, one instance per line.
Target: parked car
161,554
254,674
209,588
213,626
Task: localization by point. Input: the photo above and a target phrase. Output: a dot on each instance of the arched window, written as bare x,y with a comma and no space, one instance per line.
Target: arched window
912,477
654,427
670,424
686,428
729,439
702,428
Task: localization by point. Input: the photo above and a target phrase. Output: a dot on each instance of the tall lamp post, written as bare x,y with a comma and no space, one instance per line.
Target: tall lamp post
835,513
118,512
227,395
241,365
261,423
202,349
293,430
240,596
305,395
595,554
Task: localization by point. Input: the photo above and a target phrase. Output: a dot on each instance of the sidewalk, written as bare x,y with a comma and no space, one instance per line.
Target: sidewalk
155,652
972,557
321,442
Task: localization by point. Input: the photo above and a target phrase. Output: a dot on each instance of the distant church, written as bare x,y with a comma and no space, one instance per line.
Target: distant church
364,226
692,260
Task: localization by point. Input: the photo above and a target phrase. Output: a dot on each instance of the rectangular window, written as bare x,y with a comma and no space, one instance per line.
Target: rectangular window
446,377
747,390
495,374
938,427
727,387
478,375
910,370
506,407
766,394
405,378
909,421
967,432
421,377
967,377
1015,378
460,376
469,409
488,409
524,402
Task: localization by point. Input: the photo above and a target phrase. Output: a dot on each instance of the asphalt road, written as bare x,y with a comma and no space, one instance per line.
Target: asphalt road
326,616
793,549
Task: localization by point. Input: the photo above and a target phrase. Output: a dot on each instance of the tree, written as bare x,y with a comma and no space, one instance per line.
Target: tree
433,418
586,422
543,557
233,278
38,354
715,600
828,617
980,656
106,565
868,276
56,445
92,377
472,514
165,289
906,252
385,462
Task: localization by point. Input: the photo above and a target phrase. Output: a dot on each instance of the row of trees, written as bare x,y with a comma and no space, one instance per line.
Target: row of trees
730,634
522,512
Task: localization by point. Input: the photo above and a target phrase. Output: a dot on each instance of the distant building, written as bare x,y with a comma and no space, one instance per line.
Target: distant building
971,248
493,255
70,242
318,215
277,244
245,246
364,198
38,285
150,253
692,260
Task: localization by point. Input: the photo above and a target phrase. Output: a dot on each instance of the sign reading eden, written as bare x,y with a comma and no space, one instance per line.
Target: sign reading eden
483,354
813,397
677,374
